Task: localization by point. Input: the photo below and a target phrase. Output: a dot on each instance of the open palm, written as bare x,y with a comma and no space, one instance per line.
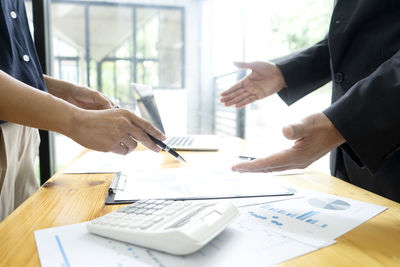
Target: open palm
264,80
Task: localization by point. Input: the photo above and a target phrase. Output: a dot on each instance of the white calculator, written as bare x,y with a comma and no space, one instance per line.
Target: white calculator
174,226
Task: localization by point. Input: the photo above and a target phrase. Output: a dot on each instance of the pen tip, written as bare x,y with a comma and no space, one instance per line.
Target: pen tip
181,159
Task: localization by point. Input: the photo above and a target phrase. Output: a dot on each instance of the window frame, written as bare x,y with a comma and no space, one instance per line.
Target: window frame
136,60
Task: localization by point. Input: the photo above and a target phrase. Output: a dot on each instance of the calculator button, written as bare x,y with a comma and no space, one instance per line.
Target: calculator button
135,217
157,219
148,212
146,225
140,211
131,211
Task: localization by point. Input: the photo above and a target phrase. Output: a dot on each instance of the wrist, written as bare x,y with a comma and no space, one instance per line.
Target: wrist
335,135
73,120
279,79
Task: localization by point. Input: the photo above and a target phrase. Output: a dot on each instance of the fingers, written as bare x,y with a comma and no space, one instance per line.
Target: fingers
295,131
130,143
246,101
99,101
122,149
235,97
147,127
105,102
239,85
137,134
283,160
134,129
244,65
232,90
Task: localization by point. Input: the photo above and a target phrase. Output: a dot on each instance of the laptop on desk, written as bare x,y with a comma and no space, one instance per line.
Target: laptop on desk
148,110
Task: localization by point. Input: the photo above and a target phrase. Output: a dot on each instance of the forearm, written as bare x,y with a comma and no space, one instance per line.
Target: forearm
22,104
59,88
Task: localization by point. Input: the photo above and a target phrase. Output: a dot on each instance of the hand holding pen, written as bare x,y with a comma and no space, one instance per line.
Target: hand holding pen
161,144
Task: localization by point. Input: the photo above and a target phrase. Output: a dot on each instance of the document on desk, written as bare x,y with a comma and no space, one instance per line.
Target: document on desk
196,183
273,233
72,245
315,219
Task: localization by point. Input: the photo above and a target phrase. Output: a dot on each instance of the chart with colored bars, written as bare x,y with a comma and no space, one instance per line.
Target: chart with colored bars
315,219
306,217
275,219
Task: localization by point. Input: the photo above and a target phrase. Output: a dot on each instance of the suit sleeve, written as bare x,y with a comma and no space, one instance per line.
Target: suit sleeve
368,115
304,71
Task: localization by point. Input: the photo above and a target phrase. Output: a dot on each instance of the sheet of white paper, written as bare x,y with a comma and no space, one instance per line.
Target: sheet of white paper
315,219
100,162
255,201
73,246
197,183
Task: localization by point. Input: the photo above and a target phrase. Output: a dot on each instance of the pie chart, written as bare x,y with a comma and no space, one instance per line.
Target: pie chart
329,203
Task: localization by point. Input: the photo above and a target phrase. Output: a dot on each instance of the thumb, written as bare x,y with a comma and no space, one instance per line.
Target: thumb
244,65
294,131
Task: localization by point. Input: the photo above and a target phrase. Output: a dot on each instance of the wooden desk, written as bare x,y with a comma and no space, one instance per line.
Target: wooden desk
67,199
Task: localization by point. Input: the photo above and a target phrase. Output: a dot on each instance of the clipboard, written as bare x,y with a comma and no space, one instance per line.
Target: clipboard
120,180
117,184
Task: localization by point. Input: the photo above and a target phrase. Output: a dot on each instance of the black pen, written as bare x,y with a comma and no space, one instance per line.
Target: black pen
166,148
246,157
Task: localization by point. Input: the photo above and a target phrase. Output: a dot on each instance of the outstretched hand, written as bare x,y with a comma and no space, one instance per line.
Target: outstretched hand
314,137
264,80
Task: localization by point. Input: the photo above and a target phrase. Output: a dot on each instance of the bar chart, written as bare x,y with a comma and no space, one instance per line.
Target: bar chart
281,215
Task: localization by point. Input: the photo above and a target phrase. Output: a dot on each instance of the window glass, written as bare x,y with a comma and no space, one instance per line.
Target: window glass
108,45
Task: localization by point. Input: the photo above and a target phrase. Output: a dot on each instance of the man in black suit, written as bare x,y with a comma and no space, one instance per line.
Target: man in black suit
361,55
